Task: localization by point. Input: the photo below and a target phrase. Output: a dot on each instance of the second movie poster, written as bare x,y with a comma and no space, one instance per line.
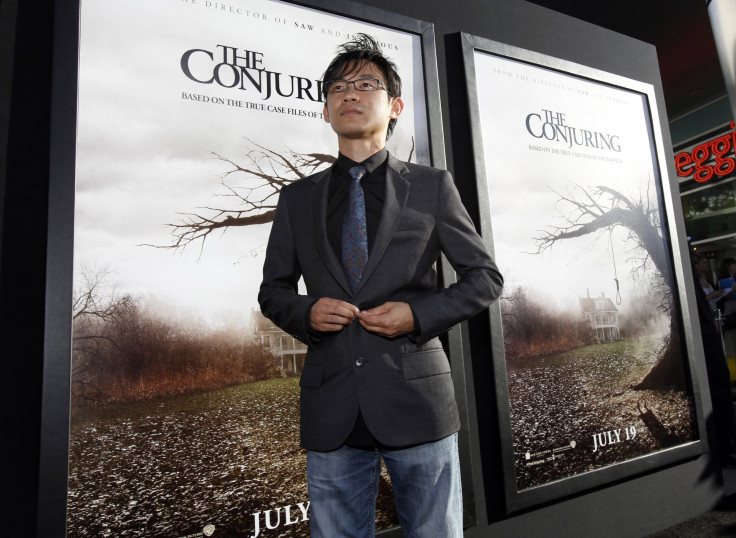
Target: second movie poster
595,359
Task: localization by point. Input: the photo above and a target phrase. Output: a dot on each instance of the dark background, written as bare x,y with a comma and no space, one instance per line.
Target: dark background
38,68
681,32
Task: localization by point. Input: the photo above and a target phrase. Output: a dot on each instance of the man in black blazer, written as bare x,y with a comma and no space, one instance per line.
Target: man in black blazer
376,382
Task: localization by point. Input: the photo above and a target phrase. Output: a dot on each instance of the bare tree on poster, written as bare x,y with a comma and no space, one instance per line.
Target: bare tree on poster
601,208
252,202
95,305
262,175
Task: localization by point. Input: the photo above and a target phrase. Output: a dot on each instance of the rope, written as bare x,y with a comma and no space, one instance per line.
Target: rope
615,272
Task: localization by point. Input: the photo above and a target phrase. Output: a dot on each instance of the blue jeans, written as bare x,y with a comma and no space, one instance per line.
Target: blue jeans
343,486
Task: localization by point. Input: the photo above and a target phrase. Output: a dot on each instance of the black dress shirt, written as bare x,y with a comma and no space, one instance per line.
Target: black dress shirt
374,186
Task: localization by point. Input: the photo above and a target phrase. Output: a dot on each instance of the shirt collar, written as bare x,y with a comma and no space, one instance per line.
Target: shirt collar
344,164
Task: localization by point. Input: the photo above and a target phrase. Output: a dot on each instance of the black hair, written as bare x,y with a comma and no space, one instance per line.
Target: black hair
352,56
698,257
725,264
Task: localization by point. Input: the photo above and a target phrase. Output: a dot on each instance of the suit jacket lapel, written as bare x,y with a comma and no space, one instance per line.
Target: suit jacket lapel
319,227
395,196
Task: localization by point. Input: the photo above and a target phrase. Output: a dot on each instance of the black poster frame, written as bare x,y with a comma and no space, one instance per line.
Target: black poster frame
56,382
516,499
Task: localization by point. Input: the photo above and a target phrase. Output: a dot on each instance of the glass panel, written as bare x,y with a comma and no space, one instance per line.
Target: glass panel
710,212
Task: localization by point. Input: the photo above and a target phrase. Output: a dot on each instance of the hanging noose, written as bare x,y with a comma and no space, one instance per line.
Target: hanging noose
615,272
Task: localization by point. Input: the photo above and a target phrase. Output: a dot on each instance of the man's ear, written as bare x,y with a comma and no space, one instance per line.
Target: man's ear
326,114
397,106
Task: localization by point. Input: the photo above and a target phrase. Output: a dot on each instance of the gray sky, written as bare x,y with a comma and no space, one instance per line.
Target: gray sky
145,154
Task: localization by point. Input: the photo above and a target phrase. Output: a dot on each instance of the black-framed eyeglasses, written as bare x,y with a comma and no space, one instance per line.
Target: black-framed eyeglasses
361,85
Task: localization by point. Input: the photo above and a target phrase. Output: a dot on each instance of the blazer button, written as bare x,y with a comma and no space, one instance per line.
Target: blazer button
359,361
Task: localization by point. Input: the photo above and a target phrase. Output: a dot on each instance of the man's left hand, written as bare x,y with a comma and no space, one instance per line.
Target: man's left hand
390,319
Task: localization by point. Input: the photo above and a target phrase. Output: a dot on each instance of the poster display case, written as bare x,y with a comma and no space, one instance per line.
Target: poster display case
594,381
190,117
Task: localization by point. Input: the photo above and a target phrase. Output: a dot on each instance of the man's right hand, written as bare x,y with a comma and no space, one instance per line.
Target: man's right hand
330,315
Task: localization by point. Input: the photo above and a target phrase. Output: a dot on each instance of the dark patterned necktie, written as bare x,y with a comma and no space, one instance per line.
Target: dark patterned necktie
355,230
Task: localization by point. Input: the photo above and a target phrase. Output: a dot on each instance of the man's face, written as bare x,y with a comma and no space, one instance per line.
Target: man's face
362,115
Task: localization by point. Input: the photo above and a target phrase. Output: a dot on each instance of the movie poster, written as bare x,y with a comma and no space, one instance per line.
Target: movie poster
192,116
594,356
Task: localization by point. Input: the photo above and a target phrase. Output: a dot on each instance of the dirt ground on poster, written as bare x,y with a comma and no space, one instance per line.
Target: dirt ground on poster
169,467
577,411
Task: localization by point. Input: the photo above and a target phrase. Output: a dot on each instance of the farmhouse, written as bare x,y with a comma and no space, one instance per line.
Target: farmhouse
602,316
289,349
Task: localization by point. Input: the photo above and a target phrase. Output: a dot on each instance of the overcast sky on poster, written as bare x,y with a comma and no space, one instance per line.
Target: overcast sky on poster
145,154
525,183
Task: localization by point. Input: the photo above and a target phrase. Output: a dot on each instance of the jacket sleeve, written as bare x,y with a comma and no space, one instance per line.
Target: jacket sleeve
479,280
278,295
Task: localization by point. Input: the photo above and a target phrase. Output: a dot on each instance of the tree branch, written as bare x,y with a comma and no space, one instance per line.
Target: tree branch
254,185
585,212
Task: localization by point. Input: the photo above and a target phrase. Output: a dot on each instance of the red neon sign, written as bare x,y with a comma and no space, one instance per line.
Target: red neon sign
697,162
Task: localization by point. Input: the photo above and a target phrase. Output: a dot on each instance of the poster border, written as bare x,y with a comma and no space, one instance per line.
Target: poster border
517,500
56,381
